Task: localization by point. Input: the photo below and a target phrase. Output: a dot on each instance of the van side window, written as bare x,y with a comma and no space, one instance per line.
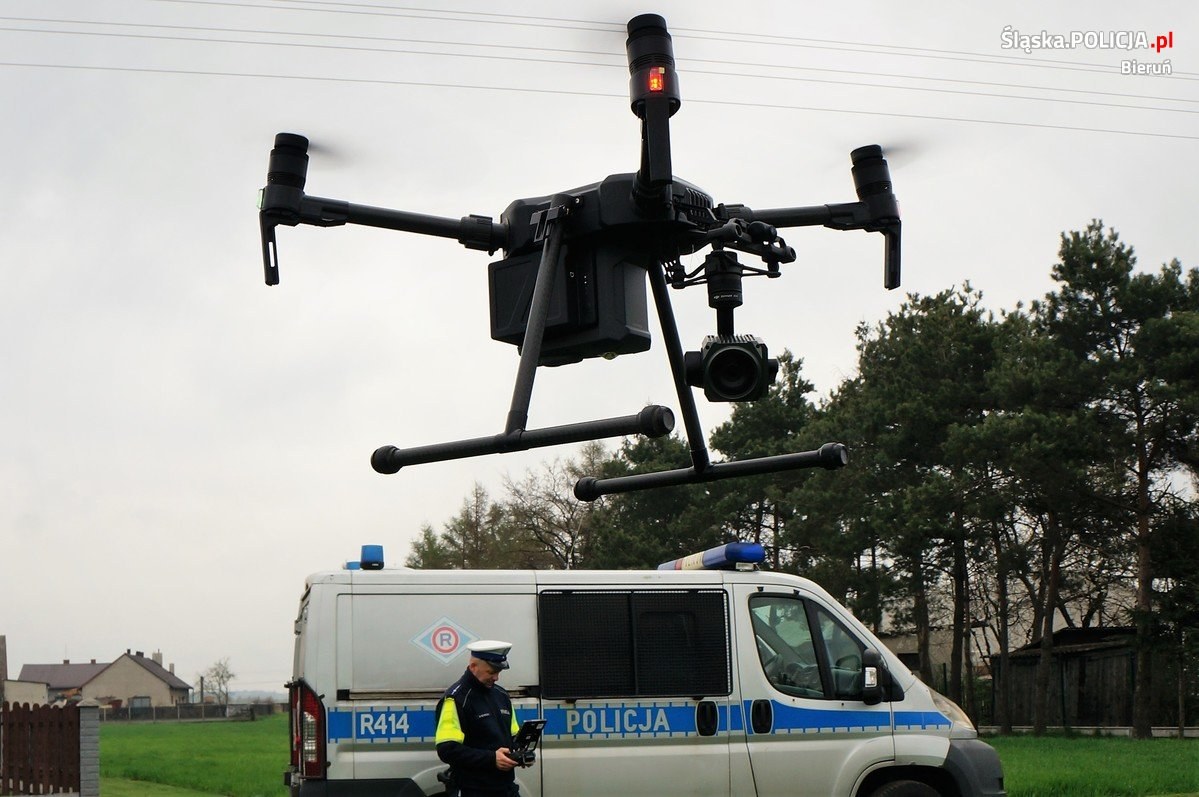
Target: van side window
843,653
804,650
636,643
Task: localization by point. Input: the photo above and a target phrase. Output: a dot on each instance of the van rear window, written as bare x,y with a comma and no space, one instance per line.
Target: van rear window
634,643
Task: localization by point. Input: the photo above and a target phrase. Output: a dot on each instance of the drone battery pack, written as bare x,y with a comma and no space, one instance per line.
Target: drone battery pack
597,307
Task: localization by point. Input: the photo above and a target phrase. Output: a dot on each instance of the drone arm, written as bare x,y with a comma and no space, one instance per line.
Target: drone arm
283,201
877,209
877,212
651,188
290,206
285,205
874,214
473,232
845,216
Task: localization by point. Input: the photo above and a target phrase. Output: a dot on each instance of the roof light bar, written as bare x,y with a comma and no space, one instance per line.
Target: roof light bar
732,556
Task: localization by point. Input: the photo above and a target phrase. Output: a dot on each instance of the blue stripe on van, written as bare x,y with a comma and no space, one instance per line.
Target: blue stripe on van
921,719
668,719
340,725
731,719
793,719
586,721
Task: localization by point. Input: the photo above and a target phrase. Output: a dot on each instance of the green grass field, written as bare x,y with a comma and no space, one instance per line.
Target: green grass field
120,787
239,759
247,759
1059,766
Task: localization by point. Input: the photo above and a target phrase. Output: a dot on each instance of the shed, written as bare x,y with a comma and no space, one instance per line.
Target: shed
1091,683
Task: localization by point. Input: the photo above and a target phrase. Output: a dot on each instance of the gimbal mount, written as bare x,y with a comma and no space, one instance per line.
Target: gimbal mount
571,286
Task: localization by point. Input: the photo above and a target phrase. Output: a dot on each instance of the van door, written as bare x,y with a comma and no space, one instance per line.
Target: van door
403,645
801,676
635,692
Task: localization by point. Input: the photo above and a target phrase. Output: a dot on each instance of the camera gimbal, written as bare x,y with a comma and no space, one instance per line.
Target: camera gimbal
571,284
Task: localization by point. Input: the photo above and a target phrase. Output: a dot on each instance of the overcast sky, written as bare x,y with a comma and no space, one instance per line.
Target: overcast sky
182,445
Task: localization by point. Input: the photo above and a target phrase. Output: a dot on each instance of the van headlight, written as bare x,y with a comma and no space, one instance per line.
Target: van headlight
953,712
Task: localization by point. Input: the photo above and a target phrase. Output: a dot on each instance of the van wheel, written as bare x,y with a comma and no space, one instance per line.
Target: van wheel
905,788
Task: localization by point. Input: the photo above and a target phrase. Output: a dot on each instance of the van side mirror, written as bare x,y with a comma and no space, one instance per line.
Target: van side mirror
873,672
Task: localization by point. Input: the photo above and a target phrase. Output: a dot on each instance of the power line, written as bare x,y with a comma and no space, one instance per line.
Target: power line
604,54
604,25
389,11
565,92
213,40
527,20
616,27
260,43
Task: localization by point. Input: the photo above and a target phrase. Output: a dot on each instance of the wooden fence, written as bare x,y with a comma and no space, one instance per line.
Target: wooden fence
39,749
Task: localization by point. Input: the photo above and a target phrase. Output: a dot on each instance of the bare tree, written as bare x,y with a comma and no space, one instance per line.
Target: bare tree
218,677
542,507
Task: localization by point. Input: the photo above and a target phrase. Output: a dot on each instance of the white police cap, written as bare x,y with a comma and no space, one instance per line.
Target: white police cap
491,651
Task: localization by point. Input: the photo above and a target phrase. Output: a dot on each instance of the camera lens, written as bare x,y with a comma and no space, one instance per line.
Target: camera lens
734,373
731,368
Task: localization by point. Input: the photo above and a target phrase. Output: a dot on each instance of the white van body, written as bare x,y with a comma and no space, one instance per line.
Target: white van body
689,682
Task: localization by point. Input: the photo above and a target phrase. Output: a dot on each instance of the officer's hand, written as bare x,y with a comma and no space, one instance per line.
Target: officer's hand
502,762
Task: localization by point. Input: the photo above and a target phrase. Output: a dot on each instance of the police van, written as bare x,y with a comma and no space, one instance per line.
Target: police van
704,677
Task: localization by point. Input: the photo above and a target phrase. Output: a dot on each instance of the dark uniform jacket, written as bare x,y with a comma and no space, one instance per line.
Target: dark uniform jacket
473,721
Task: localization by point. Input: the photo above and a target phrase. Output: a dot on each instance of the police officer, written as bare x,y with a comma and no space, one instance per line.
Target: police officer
475,726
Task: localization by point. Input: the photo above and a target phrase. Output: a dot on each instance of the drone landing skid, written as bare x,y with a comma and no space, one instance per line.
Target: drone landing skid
702,470
653,421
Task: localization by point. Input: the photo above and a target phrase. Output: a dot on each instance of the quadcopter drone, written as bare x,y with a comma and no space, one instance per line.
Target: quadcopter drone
571,284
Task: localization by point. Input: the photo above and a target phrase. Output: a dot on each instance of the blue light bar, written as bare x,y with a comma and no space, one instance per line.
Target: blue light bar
372,557
722,557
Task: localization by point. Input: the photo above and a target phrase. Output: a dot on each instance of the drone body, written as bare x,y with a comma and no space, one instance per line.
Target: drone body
571,282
